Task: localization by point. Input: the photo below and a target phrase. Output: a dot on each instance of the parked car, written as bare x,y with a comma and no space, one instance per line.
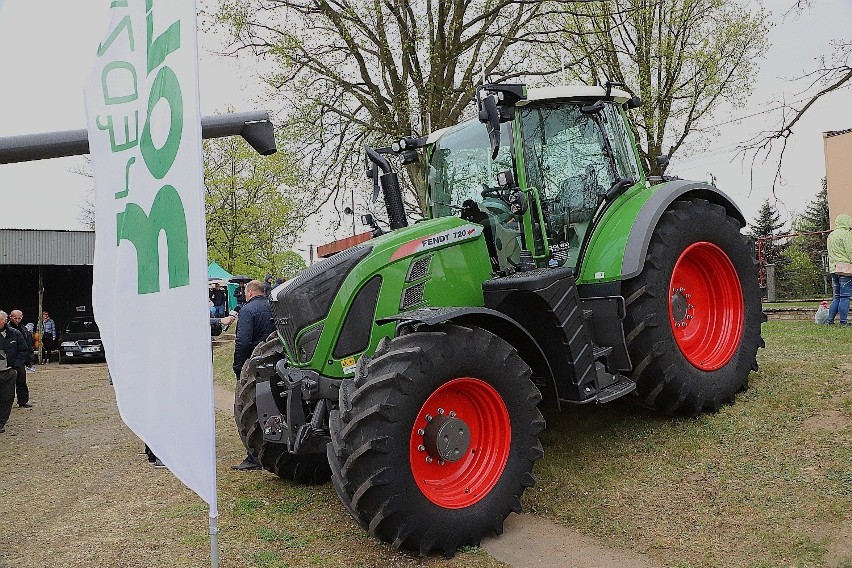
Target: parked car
80,340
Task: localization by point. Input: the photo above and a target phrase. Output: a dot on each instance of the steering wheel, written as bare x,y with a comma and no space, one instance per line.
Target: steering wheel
496,192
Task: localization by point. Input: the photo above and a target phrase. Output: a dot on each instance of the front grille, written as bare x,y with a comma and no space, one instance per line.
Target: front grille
307,298
418,269
412,296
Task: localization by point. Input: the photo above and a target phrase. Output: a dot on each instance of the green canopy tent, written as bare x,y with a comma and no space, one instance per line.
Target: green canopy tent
214,271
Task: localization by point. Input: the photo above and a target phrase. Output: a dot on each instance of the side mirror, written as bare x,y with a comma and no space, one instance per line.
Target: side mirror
490,115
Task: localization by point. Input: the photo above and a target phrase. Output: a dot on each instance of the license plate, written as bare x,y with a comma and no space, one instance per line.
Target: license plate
90,349
67,354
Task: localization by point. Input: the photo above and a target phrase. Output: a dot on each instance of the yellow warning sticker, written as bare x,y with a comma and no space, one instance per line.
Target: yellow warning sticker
348,364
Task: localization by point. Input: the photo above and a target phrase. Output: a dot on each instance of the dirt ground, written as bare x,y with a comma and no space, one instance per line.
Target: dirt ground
77,491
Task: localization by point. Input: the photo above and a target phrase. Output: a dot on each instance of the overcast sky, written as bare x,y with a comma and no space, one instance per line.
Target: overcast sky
47,47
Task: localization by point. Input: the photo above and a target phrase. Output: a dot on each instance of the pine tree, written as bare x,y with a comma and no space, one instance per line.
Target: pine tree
767,223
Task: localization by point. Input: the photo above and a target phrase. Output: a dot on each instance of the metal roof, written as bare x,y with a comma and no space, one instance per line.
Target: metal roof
37,247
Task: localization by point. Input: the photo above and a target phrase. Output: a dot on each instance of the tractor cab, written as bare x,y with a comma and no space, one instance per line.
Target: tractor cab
549,160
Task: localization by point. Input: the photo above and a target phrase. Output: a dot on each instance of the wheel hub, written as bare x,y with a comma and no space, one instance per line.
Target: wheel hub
446,438
681,308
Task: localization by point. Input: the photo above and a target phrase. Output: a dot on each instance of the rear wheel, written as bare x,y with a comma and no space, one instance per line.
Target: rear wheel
302,468
436,438
694,313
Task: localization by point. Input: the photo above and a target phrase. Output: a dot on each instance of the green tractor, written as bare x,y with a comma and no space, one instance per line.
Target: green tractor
410,369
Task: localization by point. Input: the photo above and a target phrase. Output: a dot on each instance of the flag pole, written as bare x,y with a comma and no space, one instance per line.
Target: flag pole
214,542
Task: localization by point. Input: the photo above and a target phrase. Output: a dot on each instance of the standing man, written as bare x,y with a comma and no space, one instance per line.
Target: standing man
48,336
254,325
219,298
12,355
23,392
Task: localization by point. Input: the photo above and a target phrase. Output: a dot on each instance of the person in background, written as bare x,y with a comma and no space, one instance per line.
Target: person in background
219,297
48,336
268,285
254,326
23,392
840,250
240,294
12,355
30,327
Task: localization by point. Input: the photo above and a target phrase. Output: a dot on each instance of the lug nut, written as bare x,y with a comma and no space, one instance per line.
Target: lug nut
421,448
452,414
428,459
428,418
420,431
440,462
440,411
688,296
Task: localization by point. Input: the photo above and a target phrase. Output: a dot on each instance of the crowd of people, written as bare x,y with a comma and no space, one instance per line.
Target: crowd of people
17,356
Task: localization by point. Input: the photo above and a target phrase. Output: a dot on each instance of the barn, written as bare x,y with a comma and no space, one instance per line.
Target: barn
46,270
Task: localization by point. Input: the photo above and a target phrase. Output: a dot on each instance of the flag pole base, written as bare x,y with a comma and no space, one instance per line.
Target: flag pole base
214,542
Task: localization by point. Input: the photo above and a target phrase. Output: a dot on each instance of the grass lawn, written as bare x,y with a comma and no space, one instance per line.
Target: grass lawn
764,483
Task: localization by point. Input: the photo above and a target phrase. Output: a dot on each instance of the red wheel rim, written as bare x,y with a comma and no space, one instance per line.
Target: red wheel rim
706,309
461,483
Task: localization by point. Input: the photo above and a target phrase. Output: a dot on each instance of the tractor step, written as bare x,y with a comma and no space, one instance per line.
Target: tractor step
616,390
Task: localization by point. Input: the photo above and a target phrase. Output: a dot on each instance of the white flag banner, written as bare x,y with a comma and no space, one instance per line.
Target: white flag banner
150,273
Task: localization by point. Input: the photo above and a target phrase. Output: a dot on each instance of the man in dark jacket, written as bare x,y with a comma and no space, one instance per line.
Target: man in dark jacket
13,353
16,321
253,326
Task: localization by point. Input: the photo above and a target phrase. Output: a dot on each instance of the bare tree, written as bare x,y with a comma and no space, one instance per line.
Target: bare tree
682,57
833,73
350,72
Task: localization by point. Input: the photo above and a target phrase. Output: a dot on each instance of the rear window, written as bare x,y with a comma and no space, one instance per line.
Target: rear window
82,326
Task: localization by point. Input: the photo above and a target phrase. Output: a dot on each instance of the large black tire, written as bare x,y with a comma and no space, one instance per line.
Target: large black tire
301,468
381,470
694,313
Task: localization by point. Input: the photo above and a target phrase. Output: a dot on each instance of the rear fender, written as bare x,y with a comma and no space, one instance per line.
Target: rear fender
495,322
619,244
648,217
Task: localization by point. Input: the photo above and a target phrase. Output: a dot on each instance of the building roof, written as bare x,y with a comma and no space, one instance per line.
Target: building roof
46,248
831,133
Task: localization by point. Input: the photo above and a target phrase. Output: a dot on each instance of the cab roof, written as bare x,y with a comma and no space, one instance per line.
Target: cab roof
544,94
539,94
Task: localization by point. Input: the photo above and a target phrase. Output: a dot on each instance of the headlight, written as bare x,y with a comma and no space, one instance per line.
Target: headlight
68,344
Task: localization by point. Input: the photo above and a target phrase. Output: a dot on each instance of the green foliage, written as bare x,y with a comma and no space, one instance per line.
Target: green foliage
683,57
353,71
799,278
255,206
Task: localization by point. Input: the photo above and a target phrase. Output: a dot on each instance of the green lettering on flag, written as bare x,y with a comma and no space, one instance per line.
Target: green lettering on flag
166,42
143,231
160,160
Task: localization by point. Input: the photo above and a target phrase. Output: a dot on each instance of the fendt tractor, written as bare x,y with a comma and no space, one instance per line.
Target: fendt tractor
549,271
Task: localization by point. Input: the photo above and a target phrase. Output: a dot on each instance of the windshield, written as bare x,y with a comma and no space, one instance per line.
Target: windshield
82,326
461,166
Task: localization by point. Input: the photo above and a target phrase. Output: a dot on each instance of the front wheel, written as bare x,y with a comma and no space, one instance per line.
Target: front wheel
694,313
436,438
